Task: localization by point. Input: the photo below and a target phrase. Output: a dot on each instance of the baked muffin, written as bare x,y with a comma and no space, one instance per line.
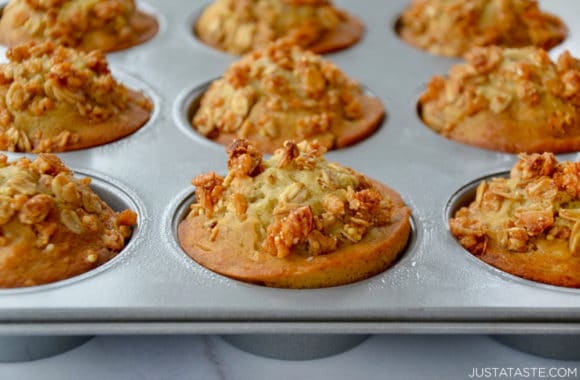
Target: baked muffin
52,225
239,26
285,93
453,27
57,99
528,224
510,100
294,220
87,25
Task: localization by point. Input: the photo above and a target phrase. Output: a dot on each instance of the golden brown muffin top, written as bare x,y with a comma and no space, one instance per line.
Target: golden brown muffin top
281,90
42,78
452,27
298,202
536,209
44,196
521,84
67,22
239,26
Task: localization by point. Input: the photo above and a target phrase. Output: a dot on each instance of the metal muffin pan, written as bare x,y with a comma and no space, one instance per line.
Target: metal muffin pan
436,287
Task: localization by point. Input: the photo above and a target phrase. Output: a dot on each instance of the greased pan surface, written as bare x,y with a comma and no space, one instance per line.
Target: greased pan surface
436,280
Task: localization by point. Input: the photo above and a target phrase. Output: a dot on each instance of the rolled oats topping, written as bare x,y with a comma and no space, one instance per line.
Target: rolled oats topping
534,215
43,81
84,24
66,21
38,76
283,92
508,94
453,27
241,26
46,211
296,201
44,190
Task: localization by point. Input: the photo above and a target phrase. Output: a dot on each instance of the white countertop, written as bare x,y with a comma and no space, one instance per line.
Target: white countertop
210,358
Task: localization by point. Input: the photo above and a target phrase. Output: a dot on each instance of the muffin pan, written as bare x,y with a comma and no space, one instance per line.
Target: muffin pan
436,287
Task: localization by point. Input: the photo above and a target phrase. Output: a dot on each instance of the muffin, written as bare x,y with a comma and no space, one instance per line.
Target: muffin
528,224
285,93
87,25
294,220
453,27
59,99
238,27
509,100
52,225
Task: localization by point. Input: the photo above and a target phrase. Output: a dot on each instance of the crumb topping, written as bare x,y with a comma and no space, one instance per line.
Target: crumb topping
43,195
280,91
523,85
241,26
67,22
536,209
452,27
41,78
296,201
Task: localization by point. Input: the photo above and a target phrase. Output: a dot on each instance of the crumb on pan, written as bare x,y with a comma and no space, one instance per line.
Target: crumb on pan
453,27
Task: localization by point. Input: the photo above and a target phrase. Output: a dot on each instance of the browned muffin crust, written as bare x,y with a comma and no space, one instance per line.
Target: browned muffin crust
528,224
87,25
293,221
510,100
239,27
56,99
52,225
453,27
285,93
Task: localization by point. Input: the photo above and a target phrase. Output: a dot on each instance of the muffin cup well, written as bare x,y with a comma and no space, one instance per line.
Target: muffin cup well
28,348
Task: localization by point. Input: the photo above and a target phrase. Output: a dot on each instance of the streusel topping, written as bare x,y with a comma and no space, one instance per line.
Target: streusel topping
536,209
522,84
453,27
45,196
42,79
241,26
67,22
281,91
297,201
